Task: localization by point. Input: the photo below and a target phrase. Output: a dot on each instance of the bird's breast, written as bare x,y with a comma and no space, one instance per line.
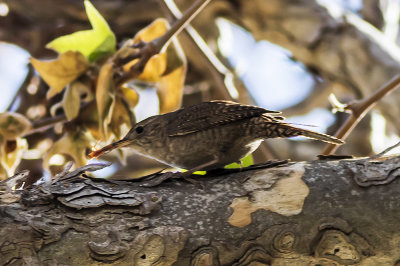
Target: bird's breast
224,144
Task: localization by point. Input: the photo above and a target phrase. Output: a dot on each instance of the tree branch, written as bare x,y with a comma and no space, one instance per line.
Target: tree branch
148,49
359,109
303,213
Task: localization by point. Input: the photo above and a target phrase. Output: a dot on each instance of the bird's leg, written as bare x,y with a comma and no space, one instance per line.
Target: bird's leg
185,175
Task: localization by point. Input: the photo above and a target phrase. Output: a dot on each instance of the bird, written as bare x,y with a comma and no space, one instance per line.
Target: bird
208,135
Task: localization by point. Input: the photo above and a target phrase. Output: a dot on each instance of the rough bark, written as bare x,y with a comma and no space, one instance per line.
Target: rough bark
317,213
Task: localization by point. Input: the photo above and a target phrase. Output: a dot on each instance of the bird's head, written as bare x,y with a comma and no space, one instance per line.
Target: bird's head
141,137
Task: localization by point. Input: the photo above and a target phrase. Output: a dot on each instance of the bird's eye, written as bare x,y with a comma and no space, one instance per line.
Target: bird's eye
139,129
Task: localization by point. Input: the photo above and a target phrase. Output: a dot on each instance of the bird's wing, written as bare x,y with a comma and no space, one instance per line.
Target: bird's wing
210,114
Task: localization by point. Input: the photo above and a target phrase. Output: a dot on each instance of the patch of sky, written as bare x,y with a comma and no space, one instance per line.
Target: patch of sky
274,80
317,120
338,7
148,104
13,70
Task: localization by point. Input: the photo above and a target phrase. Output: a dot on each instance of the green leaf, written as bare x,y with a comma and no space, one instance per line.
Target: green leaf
93,43
246,161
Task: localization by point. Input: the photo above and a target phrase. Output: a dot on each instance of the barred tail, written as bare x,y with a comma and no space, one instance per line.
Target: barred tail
279,130
321,137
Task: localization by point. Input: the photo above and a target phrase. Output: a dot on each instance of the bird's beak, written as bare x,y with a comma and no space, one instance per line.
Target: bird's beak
119,143
109,147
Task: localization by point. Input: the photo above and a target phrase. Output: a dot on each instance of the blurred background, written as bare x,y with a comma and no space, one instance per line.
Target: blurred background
278,54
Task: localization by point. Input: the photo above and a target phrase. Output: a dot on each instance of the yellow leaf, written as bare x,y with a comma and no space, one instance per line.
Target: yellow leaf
13,125
73,144
11,159
71,102
156,29
59,72
130,96
157,64
120,117
170,89
154,68
105,98
167,69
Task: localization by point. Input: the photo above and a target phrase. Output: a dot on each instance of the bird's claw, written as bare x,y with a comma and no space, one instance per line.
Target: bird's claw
156,180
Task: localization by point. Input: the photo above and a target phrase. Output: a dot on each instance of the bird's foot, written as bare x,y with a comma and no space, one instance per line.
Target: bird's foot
159,178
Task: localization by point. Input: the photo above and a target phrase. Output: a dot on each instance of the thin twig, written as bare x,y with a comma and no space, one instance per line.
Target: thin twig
376,156
181,23
148,49
46,123
49,122
359,109
224,78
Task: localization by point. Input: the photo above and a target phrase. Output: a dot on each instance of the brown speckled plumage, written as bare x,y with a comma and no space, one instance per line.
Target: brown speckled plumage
209,135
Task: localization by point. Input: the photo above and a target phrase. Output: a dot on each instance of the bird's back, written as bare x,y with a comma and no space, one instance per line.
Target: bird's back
211,114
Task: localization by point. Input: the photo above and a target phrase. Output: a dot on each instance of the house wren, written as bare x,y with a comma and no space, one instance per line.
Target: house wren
209,135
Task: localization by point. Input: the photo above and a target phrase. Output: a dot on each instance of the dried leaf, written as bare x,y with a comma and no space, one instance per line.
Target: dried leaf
59,72
93,43
154,68
13,125
170,87
76,93
73,144
167,69
71,102
119,118
156,29
10,159
105,98
130,96
157,64
170,90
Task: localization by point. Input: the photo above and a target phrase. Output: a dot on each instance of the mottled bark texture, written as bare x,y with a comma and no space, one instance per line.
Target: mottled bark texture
318,213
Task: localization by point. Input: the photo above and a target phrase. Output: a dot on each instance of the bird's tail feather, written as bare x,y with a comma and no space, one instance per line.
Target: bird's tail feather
320,136
276,130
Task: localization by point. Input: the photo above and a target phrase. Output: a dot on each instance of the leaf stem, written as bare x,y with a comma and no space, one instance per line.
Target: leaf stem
224,77
148,49
180,24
